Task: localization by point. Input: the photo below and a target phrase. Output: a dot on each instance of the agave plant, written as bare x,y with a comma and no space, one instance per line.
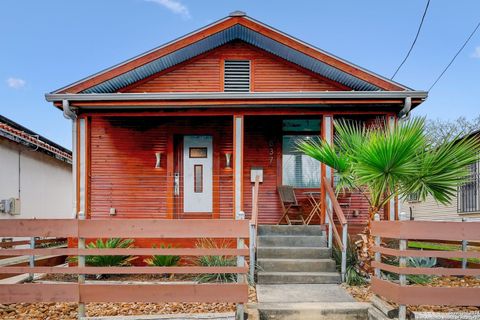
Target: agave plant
162,260
385,162
108,261
215,261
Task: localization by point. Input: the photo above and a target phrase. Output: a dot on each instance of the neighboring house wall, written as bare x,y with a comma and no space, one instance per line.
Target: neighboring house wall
43,184
431,210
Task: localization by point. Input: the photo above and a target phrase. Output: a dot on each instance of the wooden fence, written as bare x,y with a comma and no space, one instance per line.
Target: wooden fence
127,228
404,294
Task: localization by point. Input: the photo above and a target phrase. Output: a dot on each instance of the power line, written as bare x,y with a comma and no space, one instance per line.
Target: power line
414,40
455,56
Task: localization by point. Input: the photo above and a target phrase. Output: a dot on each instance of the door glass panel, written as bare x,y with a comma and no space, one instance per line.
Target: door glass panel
198,178
198,152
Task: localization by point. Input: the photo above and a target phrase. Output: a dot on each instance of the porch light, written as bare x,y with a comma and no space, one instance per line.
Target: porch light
158,156
228,159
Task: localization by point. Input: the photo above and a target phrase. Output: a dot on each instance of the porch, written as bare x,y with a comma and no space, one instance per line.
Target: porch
199,165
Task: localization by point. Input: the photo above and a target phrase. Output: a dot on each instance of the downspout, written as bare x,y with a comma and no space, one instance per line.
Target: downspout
68,112
404,114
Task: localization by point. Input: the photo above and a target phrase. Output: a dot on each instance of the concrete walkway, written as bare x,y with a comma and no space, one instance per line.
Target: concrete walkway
308,301
302,293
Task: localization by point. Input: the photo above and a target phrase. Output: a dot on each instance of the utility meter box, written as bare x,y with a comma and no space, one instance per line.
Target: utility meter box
256,171
10,206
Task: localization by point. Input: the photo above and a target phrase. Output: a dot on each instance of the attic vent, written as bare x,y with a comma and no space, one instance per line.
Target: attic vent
237,76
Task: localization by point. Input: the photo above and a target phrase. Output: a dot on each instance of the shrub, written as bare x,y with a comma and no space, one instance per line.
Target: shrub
215,261
162,260
353,276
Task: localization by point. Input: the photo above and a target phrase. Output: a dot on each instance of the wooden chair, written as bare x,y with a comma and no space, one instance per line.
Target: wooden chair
289,203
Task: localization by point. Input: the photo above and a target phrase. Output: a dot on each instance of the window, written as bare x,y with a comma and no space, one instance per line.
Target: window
236,76
413,197
468,195
299,170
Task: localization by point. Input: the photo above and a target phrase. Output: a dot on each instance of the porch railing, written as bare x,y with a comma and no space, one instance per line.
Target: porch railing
333,207
403,230
253,228
86,230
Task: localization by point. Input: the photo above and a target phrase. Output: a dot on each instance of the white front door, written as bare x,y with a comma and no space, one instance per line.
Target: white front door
197,177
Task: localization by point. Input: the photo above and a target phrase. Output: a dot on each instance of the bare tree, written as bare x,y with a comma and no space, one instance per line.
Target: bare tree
440,130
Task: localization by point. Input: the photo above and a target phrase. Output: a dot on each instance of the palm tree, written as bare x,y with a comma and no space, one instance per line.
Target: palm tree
383,162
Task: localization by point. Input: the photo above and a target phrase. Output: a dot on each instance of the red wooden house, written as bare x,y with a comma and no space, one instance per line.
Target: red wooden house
175,132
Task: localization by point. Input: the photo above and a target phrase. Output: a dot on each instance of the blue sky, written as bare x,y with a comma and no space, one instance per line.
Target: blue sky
47,44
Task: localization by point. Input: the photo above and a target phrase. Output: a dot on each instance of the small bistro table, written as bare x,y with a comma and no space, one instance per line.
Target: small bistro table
316,205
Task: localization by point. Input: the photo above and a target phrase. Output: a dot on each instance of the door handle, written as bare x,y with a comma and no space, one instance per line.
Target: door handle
176,184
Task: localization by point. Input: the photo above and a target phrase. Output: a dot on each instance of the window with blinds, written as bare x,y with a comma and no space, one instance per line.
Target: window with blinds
236,76
299,170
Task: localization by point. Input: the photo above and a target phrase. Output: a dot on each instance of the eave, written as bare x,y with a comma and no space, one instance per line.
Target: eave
138,101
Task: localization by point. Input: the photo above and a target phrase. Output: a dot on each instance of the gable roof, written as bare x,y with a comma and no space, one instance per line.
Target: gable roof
237,26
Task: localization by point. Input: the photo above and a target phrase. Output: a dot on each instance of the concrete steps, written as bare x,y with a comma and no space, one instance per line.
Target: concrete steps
314,311
294,252
269,277
297,278
291,230
297,265
294,255
292,241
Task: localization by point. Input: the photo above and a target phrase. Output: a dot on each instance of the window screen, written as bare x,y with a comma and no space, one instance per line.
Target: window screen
298,170
237,76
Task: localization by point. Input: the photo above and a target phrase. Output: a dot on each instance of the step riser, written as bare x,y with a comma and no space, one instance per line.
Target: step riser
297,279
294,253
292,241
296,266
313,314
291,230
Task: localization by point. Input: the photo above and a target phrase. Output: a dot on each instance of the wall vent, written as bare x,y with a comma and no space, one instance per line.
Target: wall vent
236,76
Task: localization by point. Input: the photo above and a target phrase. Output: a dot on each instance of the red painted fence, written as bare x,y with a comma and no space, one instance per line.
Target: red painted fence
127,228
424,230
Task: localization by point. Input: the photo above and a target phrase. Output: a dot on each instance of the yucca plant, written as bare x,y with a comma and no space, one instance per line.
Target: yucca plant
384,162
353,275
215,261
108,261
163,260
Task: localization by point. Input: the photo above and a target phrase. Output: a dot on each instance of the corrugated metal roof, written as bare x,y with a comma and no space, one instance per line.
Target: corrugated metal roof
236,32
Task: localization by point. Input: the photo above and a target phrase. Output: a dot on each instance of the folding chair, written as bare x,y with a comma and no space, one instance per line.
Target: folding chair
289,203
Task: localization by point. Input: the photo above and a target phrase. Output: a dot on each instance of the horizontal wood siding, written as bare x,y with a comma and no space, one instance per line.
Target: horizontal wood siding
262,145
431,210
123,174
205,74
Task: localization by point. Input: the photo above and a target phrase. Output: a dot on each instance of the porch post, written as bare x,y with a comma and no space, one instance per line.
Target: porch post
82,213
238,129
393,205
327,135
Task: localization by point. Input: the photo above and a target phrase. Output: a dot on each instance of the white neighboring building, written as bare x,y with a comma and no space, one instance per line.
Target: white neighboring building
466,205
34,171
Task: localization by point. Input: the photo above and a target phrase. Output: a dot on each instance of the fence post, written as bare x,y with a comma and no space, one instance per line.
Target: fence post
32,258
464,249
240,310
402,309
81,264
344,250
378,241
252,246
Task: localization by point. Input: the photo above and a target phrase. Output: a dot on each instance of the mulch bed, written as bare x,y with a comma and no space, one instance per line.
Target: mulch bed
363,293
68,311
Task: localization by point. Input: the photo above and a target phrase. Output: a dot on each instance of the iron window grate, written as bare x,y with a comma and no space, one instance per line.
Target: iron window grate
236,76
